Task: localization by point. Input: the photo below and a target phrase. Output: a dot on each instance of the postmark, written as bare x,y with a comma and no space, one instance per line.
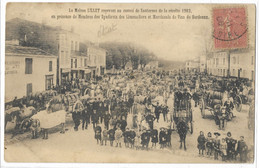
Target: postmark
230,29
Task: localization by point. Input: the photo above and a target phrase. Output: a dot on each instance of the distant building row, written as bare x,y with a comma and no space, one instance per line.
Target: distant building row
242,64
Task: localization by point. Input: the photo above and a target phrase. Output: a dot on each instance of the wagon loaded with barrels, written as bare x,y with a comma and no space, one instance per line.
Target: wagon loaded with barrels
212,101
182,110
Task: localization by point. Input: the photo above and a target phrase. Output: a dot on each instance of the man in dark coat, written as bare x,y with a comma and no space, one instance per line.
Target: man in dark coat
242,149
130,104
169,137
157,111
107,118
178,98
230,148
123,124
149,119
94,118
201,143
76,115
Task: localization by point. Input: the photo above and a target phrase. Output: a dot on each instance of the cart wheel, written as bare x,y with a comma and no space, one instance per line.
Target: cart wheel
238,103
202,108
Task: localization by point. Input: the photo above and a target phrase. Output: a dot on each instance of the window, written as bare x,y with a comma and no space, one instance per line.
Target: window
234,72
234,60
76,62
217,61
238,59
50,66
224,61
224,72
72,45
48,82
76,45
81,62
85,62
29,89
28,65
71,63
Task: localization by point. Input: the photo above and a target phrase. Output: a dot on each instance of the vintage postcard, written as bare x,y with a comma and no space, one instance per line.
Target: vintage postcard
129,83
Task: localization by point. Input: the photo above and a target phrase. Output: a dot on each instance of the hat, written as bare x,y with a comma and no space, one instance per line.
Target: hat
216,133
229,134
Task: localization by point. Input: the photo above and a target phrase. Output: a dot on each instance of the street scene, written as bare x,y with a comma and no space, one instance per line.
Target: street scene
127,94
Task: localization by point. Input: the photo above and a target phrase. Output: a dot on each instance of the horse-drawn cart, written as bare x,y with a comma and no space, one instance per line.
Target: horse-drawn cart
213,101
183,112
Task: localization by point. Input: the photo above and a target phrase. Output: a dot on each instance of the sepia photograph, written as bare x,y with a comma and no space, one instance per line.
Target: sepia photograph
129,83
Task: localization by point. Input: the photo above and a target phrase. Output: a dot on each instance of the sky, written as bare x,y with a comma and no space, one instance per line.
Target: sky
169,39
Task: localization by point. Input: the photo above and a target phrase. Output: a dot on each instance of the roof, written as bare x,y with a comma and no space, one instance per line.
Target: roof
16,50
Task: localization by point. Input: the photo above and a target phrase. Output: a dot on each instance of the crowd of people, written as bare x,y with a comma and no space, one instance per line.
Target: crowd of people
138,112
227,147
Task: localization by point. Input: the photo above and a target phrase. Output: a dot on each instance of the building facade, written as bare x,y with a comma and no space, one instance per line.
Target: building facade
242,64
96,60
28,70
218,64
192,65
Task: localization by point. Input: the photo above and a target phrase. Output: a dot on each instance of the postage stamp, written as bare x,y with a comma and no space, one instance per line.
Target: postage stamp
230,28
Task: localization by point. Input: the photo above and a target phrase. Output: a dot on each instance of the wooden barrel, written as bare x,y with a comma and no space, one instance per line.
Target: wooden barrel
216,102
215,95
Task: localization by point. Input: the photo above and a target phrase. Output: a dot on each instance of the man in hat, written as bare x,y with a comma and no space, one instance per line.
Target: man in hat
229,105
216,145
157,111
123,124
149,119
107,118
229,140
242,150
169,137
94,118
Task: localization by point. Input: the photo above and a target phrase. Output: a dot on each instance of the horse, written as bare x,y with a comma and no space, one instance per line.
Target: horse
17,115
11,115
182,129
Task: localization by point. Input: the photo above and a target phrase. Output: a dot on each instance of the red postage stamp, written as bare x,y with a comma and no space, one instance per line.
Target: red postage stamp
230,28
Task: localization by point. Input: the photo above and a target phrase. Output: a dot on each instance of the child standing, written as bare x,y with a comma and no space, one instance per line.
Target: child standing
201,143
118,137
98,131
105,137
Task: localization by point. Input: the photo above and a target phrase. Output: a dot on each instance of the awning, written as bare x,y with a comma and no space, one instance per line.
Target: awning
65,70
87,71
